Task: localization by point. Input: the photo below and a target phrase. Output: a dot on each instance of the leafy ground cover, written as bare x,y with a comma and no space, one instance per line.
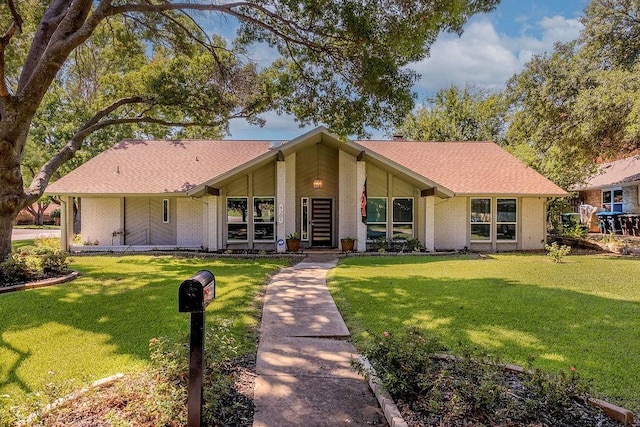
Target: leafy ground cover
57,339
577,316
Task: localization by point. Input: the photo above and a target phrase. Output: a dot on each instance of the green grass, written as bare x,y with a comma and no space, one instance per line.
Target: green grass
101,323
584,312
17,244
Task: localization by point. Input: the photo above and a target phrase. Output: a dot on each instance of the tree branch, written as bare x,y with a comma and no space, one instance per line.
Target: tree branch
15,27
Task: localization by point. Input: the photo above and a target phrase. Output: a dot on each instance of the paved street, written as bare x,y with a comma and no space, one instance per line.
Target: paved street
27,233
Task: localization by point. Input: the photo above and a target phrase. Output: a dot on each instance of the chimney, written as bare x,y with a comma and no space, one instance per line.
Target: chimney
398,136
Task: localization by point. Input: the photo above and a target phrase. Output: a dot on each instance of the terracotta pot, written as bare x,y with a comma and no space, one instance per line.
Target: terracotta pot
347,245
293,245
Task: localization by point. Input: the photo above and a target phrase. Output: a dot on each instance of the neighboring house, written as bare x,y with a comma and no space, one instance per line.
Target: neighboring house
25,217
252,194
615,188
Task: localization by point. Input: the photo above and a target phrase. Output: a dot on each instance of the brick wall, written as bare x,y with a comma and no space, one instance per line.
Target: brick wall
101,217
451,223
348,199
190,222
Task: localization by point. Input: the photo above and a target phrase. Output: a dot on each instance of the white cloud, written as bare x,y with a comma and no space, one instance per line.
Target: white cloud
486,58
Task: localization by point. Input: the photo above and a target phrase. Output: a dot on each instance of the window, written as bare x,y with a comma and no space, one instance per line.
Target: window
376,218
481,219
264,218
237,218
612,200
165,211
506,219
304,219
403,218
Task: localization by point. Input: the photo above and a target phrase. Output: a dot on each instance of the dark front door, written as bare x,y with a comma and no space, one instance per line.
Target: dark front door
321,222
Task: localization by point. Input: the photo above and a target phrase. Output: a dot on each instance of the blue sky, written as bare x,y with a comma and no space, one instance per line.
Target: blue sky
492,48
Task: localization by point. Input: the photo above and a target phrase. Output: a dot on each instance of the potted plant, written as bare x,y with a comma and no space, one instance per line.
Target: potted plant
348,244
293,242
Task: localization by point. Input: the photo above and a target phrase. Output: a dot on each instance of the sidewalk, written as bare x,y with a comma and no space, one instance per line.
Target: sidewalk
304,377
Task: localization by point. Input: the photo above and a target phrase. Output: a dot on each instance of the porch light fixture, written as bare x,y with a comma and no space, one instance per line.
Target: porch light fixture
317,183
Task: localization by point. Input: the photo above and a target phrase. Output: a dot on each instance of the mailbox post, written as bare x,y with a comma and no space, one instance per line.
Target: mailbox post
194,296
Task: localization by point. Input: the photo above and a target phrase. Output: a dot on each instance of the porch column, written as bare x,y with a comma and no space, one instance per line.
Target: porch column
285,199
361,176
66,223
213,225
429,223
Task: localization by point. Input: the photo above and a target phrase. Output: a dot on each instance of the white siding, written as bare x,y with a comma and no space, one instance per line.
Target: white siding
190,222
532,217
101,217
451,223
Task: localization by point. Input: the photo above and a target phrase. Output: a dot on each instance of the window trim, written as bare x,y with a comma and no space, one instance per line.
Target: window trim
304,225
515,223
253,219
612,190
386,217
413,216
246,198
166,213
490,223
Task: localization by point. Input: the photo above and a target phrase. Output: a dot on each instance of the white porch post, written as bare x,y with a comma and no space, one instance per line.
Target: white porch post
66,222
285,199
213,225
430,223
361,175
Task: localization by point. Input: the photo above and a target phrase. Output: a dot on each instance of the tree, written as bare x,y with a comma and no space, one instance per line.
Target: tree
455,114
342,63
580,104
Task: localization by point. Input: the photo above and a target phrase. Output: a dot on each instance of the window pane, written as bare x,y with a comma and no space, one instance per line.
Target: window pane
305,219
506,210
403,231
402,210
263,231
264,209
237,232
376,231
376,209
617,196
606,197
480,231
617,207
506,232
480,210
236,209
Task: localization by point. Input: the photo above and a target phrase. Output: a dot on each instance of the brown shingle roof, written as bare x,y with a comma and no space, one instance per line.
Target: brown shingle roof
616,173
155,167
151,167
467,167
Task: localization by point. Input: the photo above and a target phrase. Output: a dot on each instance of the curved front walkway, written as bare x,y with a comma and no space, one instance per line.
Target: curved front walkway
304,375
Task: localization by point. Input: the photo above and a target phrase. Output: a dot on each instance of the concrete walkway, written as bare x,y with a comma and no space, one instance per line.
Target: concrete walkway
304,377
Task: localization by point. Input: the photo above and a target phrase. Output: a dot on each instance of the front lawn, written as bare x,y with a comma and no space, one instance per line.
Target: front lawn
524,308
67,335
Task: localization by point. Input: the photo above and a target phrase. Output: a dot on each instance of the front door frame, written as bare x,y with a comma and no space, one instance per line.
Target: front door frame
312,229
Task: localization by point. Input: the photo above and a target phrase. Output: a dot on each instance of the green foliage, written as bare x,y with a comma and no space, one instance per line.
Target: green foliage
28,262
170,363
580,104
517,306
13,270
557,252
411,364
455,114
401,360
575,230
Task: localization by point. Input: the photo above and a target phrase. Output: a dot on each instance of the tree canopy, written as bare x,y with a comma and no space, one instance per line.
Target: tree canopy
580,104
455,114
86,71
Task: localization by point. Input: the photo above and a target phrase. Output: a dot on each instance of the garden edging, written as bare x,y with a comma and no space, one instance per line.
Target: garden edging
41,283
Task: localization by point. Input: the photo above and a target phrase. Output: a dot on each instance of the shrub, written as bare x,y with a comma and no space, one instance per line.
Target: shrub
401,361
54,263
557,252
14,269
575,230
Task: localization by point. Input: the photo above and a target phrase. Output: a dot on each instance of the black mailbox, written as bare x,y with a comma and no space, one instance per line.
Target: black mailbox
196,292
